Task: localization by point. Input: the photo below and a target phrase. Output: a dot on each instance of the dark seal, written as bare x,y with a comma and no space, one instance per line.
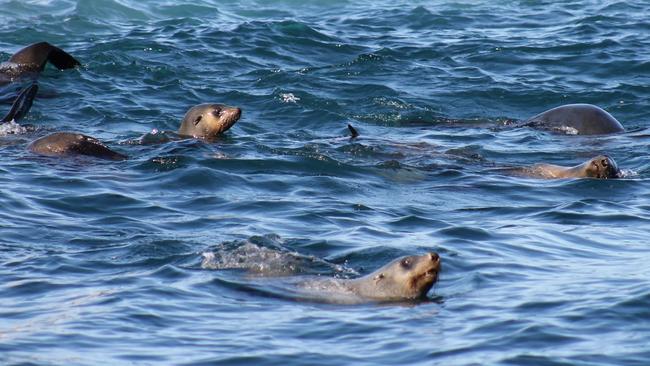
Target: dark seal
71,144
576,119
31,60
21,105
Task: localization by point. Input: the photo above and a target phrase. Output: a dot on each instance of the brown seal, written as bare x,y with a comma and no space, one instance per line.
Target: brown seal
576,119
406,278
70,143
31,60
601,166
208,120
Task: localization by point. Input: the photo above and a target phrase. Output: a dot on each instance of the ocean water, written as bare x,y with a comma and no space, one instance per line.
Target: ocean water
102,262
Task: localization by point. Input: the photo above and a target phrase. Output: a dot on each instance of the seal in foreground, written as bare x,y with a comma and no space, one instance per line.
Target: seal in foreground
274,271
601,166
406,278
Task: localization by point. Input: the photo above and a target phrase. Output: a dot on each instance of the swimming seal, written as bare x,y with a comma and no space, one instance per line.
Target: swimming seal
70,143
208,120
577,119
31,60
601,166
286,274
406,278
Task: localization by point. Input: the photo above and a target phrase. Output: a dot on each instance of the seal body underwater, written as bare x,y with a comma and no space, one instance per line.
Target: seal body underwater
71,144
601,166
580,119
208,120
31,60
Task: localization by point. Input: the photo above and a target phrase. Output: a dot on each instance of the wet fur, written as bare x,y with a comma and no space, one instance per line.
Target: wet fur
208,120
69,143
601,166
391,282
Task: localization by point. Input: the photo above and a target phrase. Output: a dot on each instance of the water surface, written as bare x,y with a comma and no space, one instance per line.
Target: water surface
101,261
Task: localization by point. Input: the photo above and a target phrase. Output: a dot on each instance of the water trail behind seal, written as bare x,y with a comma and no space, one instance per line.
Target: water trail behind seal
262,261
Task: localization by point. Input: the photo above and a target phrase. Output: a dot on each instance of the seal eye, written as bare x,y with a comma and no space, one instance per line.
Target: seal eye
197,120
604,162
217,112
405,263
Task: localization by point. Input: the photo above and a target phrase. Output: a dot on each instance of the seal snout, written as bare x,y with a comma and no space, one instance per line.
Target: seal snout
435,264
227,115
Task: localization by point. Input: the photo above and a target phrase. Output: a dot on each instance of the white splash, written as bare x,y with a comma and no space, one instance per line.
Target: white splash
289,98
568,130
628,173
10,128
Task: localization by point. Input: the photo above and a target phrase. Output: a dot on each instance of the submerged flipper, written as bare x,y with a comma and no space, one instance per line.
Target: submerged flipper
22,104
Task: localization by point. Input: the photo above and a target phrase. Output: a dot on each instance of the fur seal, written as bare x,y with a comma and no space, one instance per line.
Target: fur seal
576,119
31,60
601,166
406,278
70,143
22,104
208,120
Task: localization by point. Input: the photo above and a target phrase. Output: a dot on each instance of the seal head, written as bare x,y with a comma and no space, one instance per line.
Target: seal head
208,120
406,278
603,167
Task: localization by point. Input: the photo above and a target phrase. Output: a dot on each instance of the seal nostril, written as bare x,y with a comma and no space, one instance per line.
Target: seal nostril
434,256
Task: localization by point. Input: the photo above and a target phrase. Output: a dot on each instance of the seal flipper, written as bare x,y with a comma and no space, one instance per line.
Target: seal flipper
93,147
22,104
36,55
353,132
61,59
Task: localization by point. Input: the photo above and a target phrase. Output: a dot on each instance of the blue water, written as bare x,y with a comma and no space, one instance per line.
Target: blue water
101,262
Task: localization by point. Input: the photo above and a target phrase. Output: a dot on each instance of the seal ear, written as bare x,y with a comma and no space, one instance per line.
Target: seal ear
378,277
198,119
